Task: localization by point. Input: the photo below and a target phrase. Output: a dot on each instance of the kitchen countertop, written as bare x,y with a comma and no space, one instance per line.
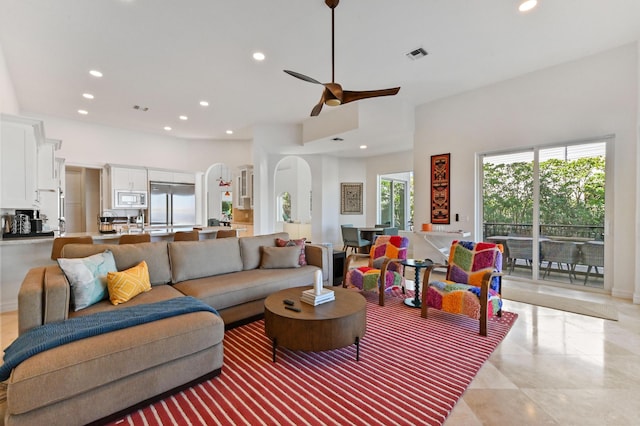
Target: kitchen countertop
154,231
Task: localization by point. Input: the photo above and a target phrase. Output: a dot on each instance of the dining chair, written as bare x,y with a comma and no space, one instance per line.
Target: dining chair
351,238
592,255
186,235
472,286
134,238
383,261
60,242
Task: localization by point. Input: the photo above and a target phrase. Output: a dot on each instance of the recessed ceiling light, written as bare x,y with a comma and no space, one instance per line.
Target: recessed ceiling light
229,132
95,73
363,147
204,103
167,128
527,5
87,95
83,112
183,117
258,56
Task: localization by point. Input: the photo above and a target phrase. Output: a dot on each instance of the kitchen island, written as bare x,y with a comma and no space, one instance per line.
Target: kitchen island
18,255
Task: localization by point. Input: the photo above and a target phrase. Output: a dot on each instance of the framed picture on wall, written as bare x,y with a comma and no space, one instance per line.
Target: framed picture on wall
351,198
440,189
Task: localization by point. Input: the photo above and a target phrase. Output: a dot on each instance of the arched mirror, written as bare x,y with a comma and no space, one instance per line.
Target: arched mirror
219,194
293,197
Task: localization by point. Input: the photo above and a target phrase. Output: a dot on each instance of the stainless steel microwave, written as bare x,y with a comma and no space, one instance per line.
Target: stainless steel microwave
127,199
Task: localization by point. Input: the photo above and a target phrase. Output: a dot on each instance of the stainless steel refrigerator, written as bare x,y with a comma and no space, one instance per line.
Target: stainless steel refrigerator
172,204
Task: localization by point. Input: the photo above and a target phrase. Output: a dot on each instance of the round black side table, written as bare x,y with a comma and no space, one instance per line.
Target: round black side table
417,264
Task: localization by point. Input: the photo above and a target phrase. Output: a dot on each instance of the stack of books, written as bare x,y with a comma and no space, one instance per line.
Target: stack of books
310,296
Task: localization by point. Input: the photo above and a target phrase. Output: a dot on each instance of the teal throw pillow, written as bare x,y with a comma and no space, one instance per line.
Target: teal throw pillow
88,278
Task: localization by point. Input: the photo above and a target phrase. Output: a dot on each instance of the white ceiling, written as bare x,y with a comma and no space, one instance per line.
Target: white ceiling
168,55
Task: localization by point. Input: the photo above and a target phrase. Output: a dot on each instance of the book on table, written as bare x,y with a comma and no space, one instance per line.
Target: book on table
310,296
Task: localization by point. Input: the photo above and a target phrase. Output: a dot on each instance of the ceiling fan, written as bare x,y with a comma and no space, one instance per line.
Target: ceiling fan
333,95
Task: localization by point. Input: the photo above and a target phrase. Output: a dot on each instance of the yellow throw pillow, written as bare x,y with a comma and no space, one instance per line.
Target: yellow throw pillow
124,286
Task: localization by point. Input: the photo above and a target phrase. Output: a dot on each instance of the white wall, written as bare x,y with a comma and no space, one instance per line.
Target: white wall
8,100
88,144
590,97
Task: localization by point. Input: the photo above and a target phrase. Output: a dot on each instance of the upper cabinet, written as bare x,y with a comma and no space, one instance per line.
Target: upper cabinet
171,176
48,178
245,187
19,161
128,178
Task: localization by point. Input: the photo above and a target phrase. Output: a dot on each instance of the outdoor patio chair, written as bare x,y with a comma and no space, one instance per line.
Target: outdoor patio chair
383,260
472,286
561,253
519,249
592,255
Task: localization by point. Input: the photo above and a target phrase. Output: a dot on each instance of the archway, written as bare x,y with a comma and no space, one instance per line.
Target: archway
219,193
292,176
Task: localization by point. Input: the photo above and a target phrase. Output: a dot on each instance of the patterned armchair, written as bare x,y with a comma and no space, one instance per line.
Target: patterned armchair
383,260
472,286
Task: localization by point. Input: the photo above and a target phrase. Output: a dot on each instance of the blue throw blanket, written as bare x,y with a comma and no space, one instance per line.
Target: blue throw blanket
51,335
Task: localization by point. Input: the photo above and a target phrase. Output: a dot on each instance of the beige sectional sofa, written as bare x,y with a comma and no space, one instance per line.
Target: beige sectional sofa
103,376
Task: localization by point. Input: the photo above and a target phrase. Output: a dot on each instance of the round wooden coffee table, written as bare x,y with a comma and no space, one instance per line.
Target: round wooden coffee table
332,325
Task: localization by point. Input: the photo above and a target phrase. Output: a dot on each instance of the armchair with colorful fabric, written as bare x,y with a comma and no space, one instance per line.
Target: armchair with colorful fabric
384,260
473,283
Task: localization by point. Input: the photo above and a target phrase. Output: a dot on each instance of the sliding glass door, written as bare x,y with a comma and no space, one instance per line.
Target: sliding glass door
547,206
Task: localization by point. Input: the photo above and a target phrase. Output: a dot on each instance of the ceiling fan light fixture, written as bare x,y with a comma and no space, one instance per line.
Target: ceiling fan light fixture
527,5
332,102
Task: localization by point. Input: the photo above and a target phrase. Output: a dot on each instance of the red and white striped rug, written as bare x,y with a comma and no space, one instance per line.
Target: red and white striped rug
412,371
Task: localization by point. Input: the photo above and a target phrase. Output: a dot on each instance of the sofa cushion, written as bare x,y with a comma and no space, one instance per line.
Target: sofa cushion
124,286
87,277
250,248
129,255
300,243
227,290
280,257
158,294
196,259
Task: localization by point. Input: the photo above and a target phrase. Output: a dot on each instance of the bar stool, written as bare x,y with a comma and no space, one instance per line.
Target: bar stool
134,238
60,242
186,235
226,233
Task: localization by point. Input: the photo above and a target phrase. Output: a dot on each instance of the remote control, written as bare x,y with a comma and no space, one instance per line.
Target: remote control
288,302
292,308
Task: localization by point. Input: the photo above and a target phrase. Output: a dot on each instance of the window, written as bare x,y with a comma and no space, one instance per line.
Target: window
396,200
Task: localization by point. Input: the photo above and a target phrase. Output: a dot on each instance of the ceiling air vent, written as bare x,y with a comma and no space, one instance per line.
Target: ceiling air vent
417,54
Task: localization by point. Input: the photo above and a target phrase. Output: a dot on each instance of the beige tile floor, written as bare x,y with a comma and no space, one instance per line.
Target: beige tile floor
553,368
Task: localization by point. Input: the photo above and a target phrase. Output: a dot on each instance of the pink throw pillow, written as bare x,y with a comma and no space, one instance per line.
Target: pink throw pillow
302,260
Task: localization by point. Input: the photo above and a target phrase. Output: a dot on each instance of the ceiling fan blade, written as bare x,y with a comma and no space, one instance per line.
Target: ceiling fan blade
302,77
316,109
350,96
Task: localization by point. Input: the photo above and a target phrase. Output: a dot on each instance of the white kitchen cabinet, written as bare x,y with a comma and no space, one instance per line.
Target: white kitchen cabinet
171,176
48,179
19,161
128,178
